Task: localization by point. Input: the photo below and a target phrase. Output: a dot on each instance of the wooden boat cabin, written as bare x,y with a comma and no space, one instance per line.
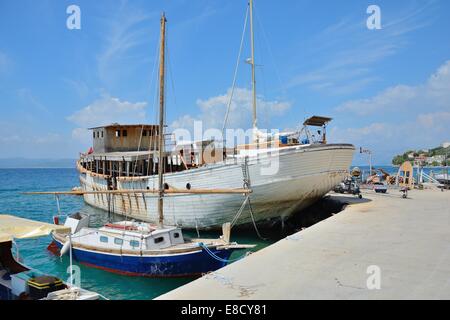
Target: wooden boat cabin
130,236
127,151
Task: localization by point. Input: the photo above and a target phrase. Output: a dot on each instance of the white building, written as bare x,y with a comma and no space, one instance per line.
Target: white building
438,158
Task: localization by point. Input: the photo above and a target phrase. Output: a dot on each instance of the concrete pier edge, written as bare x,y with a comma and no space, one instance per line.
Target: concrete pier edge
380,247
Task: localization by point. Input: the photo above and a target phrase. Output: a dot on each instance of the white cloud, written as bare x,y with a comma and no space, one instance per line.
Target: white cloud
433,95
29,99
414,117
105,111
49,138
387,138
82,135
342,56
125,33
80,87
213,111
10,139
437,122
108,110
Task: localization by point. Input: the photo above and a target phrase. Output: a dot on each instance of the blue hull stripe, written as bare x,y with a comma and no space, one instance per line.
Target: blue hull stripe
190,264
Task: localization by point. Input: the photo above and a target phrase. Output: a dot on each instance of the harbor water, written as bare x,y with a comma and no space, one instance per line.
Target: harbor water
34,253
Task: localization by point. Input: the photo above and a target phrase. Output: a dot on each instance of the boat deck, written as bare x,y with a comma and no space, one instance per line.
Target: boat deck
406,242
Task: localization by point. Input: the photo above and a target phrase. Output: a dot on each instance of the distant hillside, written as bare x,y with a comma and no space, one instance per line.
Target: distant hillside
36,163
436,156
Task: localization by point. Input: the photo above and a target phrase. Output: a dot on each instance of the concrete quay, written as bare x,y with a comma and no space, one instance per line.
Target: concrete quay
380,247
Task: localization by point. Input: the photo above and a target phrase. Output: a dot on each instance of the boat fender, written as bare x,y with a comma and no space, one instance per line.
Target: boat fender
65,248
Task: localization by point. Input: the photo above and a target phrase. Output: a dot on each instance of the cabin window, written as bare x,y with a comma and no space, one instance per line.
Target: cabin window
124,133
134,243
93,134
103,239
176,235
102,134
117,133
118,241
159,240
98,134
144,133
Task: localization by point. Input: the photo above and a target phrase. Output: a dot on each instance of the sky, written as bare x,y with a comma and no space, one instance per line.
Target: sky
388,89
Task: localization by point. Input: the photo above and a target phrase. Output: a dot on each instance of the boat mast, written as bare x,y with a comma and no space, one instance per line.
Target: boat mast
255,121
161,121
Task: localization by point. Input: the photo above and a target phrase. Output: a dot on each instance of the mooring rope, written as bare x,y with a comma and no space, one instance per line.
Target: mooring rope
213,255
254,222
238,214
247,184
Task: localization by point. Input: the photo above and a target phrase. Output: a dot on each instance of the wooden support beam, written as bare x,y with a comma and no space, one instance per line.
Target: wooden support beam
156,191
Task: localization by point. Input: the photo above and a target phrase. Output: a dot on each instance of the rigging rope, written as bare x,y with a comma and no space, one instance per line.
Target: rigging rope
235,75
169,65
139,149
269,47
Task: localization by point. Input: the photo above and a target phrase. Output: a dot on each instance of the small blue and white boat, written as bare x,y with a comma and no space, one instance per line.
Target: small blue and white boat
141,249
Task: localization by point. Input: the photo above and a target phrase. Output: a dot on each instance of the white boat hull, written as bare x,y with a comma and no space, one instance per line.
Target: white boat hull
304,175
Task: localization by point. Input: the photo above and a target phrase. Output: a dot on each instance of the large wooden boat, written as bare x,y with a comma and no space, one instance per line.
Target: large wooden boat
285,172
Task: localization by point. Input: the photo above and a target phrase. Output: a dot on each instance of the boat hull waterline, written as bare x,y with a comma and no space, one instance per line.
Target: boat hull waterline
189,264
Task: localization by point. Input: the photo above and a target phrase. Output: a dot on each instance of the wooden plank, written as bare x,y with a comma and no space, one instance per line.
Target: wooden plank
155,191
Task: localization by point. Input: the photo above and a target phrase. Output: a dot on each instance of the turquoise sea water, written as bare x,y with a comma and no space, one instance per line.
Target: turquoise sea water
42,208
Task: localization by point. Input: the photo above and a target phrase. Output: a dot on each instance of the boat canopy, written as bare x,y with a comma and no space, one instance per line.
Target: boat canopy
317,121
12,227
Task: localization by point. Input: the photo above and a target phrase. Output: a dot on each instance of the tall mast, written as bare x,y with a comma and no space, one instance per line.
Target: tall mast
255,121
161,121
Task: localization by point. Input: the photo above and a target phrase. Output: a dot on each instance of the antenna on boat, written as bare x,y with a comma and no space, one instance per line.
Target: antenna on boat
252,62
161,121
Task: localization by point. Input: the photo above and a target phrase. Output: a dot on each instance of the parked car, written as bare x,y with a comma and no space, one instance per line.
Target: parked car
379,187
